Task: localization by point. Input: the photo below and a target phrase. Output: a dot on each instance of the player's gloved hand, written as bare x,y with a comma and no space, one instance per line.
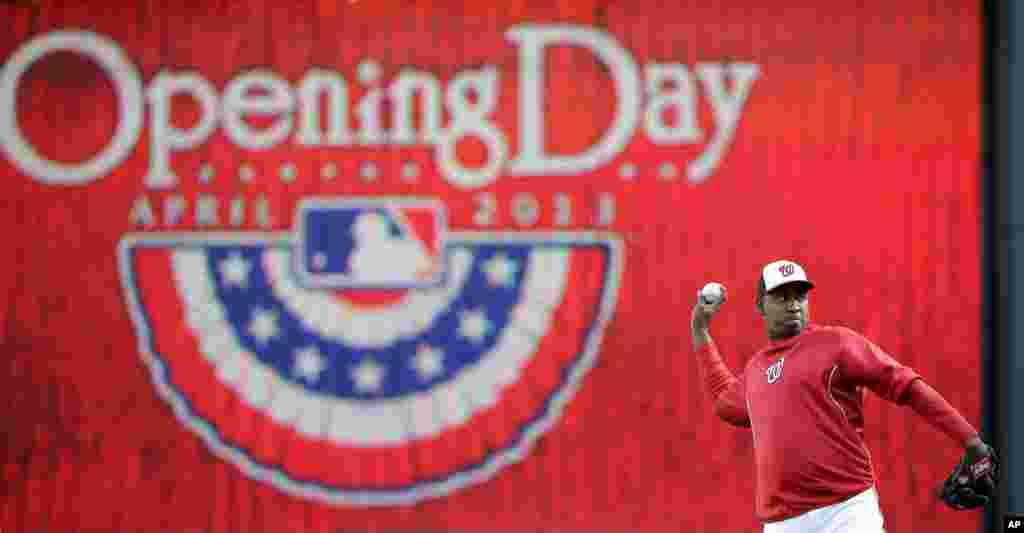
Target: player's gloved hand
974,480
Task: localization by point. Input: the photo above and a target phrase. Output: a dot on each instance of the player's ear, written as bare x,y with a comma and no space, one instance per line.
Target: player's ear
759,303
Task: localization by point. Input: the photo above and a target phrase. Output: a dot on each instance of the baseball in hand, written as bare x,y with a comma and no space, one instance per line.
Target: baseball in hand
712,294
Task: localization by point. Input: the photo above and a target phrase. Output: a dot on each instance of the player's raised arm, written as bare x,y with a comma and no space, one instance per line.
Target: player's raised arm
725,390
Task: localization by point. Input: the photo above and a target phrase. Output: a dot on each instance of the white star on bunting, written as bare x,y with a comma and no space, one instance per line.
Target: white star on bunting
234,271
368,376
500,270
263,325
428,362
474,325
309,364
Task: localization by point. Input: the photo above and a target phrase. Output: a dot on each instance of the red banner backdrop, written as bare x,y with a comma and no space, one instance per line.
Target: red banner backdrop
191,345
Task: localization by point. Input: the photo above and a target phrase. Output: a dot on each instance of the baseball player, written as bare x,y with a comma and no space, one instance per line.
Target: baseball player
802,397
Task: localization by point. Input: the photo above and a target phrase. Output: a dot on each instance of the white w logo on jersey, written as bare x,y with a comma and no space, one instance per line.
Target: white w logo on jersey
775,371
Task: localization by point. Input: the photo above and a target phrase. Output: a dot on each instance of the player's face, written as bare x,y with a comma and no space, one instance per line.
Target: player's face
786,310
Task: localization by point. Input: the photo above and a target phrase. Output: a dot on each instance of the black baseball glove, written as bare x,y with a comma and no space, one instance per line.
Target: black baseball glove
973,482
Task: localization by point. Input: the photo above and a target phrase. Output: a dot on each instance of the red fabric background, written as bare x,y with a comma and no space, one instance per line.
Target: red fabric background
857,155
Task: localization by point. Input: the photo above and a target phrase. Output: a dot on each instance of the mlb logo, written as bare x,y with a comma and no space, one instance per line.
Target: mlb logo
378,243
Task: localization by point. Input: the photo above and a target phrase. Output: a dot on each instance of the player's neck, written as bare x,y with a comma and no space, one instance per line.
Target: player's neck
783,336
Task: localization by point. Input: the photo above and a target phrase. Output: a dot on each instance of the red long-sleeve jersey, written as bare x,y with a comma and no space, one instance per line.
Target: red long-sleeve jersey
803,399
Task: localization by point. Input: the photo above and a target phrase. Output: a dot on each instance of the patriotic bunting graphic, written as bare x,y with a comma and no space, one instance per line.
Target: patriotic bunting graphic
369,395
